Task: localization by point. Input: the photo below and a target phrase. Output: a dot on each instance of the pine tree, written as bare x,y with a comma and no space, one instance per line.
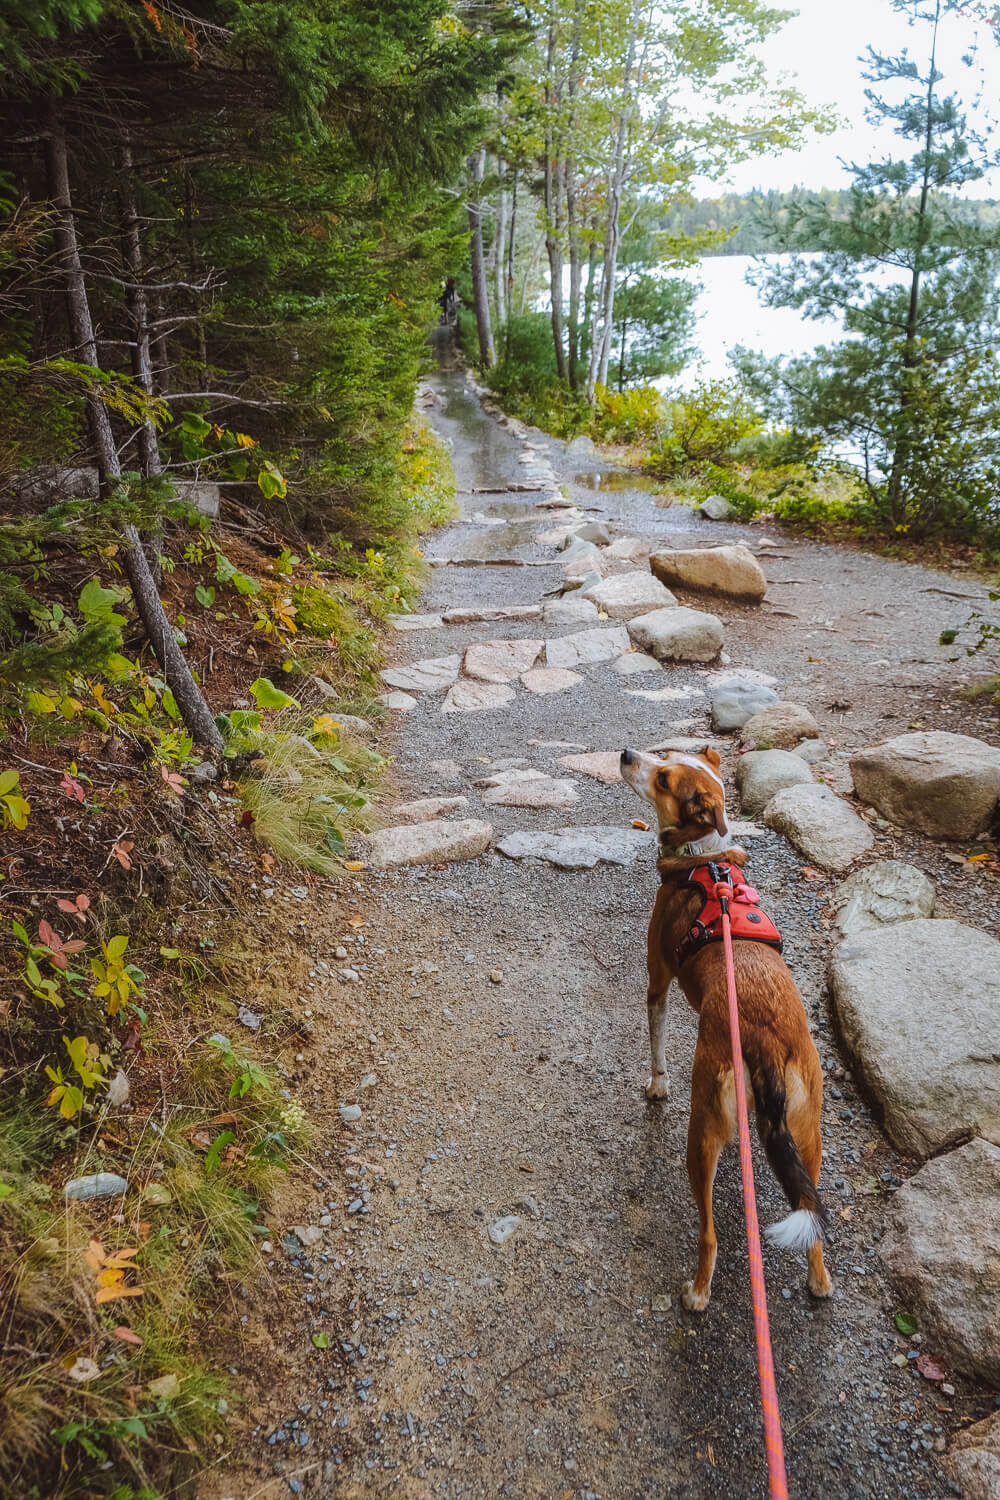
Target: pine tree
912,389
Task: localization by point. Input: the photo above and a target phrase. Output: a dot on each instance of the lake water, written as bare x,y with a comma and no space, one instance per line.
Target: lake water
729,313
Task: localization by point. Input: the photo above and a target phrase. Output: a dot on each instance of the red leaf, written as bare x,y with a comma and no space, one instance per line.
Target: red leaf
67,906
808,872
931,1367
127,1336
121,852
246,818
48,937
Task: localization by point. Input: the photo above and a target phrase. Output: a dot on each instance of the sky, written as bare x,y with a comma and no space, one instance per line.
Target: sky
820,50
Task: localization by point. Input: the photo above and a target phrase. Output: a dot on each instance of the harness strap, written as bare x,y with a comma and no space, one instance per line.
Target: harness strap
747,923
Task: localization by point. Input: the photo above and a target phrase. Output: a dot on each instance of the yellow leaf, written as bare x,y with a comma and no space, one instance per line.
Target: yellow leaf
112,1293
356,921
167,1386
354,864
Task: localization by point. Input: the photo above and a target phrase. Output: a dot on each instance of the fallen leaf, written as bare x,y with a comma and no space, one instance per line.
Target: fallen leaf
356,921
127,1335
809,872
83,1369
120,851
354,864
166,1387
321,1340
931,1368
638,823
112,1293
156,1193
906,1323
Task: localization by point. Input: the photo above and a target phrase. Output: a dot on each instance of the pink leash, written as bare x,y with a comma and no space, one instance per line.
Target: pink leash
777,1483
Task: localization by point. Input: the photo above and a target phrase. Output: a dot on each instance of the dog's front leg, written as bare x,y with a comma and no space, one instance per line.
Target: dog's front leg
660,976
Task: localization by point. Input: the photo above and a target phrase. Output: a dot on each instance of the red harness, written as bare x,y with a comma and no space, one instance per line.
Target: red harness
747,923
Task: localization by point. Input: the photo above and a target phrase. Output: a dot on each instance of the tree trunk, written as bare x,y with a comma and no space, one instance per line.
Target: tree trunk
572,226
604,323
500,244
480,292
192,706
553,211
901,449
138,308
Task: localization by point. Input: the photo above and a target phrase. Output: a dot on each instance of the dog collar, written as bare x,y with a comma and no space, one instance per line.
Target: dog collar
711,843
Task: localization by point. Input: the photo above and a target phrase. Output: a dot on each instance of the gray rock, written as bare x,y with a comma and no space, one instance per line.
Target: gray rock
738,700
584,581
504,773
426,809
625,595
119,1090
811,751
580,447
946,785
202,494
576,610
584,646
427,676
820,825
401,702
588,531
602,765
449,772
779,727
716,508
537,792
415,622
732,571
974,1460
940,1249
888,891
205,772
501,1230
762,773
678,634
307,1235
635,663
582,559
500,661
476,616
350,1113
919,1007
579,848
550,679
468,697
429,843
98,1185
248,1018
628,547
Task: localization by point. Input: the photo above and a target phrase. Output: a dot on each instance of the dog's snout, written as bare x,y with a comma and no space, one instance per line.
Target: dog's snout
628,756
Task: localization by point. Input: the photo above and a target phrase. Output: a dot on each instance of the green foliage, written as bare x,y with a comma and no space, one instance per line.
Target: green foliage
630,416
913,388
706,427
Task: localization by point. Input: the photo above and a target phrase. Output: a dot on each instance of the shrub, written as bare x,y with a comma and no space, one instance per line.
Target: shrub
708,426
630,416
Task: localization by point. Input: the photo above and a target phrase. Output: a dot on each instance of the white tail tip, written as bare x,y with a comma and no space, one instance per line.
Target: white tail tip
800,1231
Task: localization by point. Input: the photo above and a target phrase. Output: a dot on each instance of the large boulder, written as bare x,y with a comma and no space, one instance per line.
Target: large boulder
779,727
575,610
946,785
736,701
942,1250
678,634
625,595
732,571
974,1460
919,1007
760,774
885,892
820,825
428,843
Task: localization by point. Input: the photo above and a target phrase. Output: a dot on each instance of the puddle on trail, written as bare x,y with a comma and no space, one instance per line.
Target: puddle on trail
614,481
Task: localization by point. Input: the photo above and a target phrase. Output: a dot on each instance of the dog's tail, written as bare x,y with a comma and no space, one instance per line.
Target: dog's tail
807,1223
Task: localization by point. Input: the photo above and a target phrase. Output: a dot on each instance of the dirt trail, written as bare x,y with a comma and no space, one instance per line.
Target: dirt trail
500,1010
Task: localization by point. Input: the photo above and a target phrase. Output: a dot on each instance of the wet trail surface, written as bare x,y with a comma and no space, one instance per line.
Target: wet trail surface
501,1014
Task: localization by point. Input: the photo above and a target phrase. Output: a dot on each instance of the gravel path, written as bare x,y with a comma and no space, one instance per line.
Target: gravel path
496,1046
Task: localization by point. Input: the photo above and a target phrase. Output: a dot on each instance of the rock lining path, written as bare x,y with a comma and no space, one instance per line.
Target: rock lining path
509,1220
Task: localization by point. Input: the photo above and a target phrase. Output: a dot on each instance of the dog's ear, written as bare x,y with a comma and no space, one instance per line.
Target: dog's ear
713,758
719,810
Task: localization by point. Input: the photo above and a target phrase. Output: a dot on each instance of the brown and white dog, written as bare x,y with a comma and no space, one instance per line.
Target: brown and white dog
781,1067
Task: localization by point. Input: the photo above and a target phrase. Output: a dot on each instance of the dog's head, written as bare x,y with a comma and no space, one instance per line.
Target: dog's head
686,791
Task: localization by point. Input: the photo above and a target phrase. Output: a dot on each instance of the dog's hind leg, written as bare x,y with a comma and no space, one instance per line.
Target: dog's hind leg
811,1150
708,1131
658,1086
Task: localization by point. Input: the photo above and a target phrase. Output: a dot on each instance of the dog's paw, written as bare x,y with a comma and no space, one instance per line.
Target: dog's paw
694,1301
658,1086
820,1286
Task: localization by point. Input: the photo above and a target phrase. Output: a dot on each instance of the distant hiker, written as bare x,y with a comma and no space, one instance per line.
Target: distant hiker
449,301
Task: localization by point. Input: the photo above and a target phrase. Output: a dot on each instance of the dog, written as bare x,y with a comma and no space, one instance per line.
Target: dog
782,1073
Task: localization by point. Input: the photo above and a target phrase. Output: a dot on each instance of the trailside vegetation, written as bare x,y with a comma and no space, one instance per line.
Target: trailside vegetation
222,231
